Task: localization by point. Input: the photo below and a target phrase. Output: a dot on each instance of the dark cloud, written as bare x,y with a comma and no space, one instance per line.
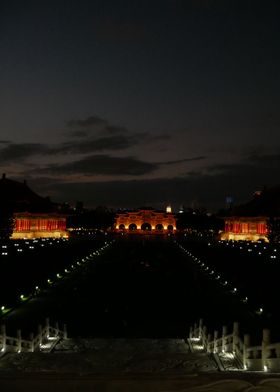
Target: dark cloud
9,152
265,160
113,129
78,134
109,143
253,163
15,152
103,165
107,136
207,188
87,122
194,159
160,137
22,151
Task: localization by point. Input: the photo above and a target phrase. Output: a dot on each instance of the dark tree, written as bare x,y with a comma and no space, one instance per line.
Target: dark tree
199,221
273,229
7,221
101,218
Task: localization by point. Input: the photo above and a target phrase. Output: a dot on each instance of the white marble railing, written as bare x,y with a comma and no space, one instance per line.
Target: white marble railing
265,357
36,342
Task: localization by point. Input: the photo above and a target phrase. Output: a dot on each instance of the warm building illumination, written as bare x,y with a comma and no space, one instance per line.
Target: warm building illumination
245,229
145,221
29,226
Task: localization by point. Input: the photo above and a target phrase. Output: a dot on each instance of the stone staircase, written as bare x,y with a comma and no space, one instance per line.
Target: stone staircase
112,356
48,344
225,361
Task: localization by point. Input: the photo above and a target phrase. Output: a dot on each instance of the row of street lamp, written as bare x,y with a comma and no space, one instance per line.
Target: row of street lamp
216,276
29,244
67,272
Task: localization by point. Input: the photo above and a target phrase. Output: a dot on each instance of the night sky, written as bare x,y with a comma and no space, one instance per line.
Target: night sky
132,103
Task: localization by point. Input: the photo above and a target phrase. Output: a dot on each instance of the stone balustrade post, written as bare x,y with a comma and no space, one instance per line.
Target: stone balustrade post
191,333
4,337
40,334
32,342
47,327
19,341
209,338
56,329
200,327
215,341
195,330
246,344
235,334
224,334
265,350
64,331
204,336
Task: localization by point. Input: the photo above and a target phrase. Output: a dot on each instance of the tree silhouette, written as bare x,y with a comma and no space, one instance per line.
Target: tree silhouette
7,221
273,226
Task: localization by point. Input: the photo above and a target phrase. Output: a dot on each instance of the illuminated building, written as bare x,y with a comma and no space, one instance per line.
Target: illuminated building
250,221
33,215
145,220
245,228
168,209
30,225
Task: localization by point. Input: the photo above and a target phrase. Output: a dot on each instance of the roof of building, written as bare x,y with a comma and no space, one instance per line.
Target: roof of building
142,210
20,198
264,203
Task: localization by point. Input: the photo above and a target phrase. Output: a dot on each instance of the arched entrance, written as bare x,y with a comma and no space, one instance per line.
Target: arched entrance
146,227
121,227
132,227
170,228
159,227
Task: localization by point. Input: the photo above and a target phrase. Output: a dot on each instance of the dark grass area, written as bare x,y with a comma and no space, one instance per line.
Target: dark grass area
140,287
248,267
149,288
22,271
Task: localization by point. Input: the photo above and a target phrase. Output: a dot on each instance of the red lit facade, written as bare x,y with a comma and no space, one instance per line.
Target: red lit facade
245,228
31,225
145,221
